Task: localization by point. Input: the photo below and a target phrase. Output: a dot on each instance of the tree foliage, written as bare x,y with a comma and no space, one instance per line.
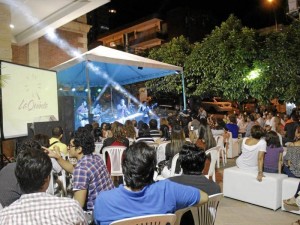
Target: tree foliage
174,52
219,64
280,60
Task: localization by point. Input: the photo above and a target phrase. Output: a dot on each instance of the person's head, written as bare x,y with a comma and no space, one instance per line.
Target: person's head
42,140
129,129
232,118
164,121
118,131
206,135
33,170
272,139
89,127
122,101
82,142
153,124
138,165
257,132
57,132
177,139
220,123
144,131
192,159
84,102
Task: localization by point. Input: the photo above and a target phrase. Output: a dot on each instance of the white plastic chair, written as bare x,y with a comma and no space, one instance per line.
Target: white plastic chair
161,152
115,154
233,146
173,166
214,157
156,219
222,150
204,214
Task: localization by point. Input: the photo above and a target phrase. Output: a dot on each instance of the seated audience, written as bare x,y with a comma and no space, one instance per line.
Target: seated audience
192,160
141,195
273,155
33,168
291,160
10,189
90,175
164,129
177,141
232,126
55,140
144,134
205,138
253,151
154,132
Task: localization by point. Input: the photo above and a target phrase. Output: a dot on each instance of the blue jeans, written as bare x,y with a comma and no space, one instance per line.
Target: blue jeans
288,172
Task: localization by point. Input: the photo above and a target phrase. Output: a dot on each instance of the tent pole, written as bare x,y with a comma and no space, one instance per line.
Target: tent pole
183,91
89,92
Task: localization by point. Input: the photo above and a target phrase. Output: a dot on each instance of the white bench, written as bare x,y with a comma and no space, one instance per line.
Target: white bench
289,188
242,185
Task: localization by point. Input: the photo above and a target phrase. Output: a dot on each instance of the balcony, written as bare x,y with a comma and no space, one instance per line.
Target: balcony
146,40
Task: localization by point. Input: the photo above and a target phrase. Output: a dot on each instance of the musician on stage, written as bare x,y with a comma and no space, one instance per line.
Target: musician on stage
82,113
145,110
122,109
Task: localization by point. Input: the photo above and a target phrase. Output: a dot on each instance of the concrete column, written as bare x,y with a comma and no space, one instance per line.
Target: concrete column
5,34
33,53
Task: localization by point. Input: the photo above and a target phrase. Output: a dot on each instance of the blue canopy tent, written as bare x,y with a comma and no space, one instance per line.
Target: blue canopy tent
102,65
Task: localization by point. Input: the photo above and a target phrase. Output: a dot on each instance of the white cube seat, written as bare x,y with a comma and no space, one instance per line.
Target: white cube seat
242,185
289,188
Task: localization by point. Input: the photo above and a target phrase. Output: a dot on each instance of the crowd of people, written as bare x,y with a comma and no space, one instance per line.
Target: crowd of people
97,199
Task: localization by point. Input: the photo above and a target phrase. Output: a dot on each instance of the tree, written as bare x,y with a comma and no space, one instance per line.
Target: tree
174,52
280,63
219,64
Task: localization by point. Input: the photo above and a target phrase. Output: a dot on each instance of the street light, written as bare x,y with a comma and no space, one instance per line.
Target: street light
272,3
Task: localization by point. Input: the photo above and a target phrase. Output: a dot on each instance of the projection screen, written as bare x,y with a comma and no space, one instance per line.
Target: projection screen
28,95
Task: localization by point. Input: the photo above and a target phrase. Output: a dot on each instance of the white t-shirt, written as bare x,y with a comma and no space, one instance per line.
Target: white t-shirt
248,160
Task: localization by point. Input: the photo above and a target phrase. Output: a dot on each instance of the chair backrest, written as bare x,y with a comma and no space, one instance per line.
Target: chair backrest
214,154
156,219
204,214
115,154
173,166
161,152
220,141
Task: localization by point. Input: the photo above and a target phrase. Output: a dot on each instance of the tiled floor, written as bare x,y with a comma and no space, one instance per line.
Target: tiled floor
233,212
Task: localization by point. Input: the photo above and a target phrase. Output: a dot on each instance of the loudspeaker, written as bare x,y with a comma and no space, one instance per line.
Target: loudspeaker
66,116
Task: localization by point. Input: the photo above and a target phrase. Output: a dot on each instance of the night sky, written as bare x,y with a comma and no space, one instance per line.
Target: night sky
253,13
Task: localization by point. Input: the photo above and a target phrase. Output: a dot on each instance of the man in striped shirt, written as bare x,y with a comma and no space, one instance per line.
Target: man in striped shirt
35,206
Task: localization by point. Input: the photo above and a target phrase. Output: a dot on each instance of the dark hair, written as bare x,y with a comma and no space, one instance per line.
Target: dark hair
257,132
192,159
42,140
89,127
153,124
32,168
85,140
232,118
206,134
57,131
272,139
144,131
138,165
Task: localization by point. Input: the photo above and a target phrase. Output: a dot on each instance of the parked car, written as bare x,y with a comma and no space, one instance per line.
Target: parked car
165,110
216,105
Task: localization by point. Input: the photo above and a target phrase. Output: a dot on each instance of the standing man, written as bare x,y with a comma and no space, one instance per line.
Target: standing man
145,110
83,113
35,206
55,140
122,109
90,175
